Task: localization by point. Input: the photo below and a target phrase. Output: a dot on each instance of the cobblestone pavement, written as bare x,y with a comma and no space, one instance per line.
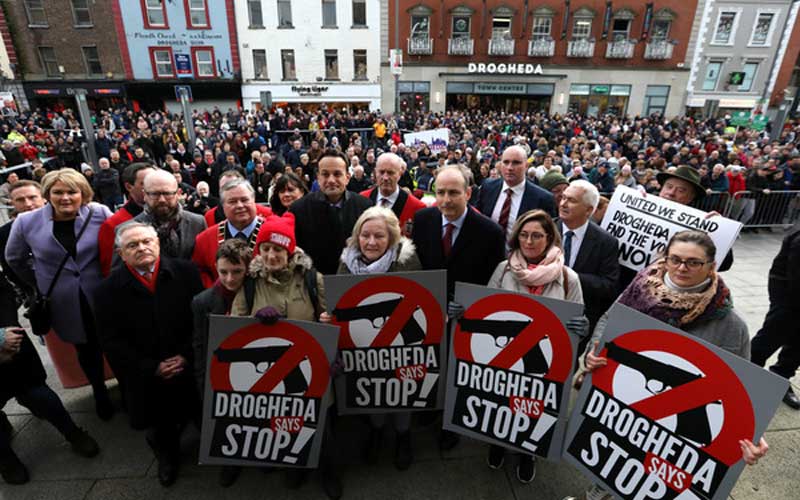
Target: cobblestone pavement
125,468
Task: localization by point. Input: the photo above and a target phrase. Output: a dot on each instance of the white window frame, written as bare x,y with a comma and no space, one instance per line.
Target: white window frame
161,10
506,35
669,28
203,10
198,64
88,10
540,21
737,11
419,34
627,31
705,76
251,25
353,13
42,8
278,4
323,3
156,62
266,65
575,22
752,79
775,15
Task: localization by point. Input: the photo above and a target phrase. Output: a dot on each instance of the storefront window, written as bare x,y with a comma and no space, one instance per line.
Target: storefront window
599,99
655,99
508,97
414,96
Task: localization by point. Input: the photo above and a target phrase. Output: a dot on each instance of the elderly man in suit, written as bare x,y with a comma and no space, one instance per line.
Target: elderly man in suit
145,322
505,199
588,250
177,229
454,237
387,193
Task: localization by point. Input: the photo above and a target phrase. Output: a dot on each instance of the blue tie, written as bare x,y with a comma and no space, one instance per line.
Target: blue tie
567,247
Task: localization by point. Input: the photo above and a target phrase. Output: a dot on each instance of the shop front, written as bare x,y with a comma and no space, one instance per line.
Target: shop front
342,96
508,97
599,99
61,95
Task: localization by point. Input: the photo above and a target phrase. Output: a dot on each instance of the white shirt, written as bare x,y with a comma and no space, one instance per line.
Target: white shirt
392,198
456,225
577,239
516,201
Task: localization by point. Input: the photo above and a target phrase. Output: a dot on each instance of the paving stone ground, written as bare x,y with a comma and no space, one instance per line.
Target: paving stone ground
126,468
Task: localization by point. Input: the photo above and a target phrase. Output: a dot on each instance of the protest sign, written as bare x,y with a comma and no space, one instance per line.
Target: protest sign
436,139
510,362
267,392
392,334
663,419
644,225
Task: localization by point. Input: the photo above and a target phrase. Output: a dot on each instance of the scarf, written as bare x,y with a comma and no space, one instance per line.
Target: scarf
355,262
537,276
227,295
649,294
168,230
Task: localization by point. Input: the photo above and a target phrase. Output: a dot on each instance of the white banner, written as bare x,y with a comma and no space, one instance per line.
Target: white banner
644,224
436,139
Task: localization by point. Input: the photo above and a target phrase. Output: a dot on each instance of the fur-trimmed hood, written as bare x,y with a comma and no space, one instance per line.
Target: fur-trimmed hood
407,251
298,261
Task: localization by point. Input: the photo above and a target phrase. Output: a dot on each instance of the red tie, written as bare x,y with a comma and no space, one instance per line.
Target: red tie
505,211
447,240
148,276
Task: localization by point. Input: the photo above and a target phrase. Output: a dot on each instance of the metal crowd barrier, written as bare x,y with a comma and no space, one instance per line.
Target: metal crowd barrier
765,208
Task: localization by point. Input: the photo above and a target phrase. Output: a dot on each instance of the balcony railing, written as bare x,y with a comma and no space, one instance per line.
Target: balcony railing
501,47
581,47
461,46
543,47
620,49
658,49
420,46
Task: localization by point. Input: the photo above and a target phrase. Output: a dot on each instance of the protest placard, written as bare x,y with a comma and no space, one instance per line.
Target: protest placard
267,392
644,224
391,342
510,362
663,419
436,139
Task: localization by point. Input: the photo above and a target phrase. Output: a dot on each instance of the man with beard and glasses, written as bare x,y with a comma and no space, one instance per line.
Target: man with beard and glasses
177,229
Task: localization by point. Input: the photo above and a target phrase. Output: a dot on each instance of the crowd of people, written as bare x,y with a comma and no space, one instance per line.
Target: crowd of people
248,219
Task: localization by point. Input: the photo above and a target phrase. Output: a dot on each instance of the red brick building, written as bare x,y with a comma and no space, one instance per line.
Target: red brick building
591,56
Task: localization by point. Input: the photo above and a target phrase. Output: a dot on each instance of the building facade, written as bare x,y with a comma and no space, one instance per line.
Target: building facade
310,52
736,54
12,95
587,56
62,45
169,43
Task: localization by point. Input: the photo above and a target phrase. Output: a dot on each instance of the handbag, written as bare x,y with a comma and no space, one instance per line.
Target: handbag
39,312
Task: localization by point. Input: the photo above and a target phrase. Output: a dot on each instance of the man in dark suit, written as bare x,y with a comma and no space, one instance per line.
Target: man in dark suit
455,237
588,250
505,199
325,219
144,319
388,194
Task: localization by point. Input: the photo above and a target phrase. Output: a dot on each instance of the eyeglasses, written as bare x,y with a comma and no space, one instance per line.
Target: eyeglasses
532,236
693,264
158,194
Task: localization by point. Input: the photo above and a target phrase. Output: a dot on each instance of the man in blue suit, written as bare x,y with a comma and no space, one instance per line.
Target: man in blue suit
504,199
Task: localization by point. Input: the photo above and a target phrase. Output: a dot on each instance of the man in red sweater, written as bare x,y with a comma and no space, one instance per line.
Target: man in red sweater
133,179
388,194
241,221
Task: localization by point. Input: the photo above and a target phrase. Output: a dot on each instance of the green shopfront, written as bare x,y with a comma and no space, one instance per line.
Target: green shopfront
509,97
599,99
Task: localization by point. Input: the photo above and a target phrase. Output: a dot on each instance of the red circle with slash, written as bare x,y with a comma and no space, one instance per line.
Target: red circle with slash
303,346
413,295
545,322
719,383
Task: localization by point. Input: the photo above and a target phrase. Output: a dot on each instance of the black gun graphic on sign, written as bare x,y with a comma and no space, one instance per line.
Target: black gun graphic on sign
692,424
503,331
378,313
294,382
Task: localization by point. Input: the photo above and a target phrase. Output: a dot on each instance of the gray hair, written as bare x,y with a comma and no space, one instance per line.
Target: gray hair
233,184
128,226
385,214
591,197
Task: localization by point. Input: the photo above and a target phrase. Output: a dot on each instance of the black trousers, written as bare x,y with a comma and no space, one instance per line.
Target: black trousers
90,356
779,331
43,403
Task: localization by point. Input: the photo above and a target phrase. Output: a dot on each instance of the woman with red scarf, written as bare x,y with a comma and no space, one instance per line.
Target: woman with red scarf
535,265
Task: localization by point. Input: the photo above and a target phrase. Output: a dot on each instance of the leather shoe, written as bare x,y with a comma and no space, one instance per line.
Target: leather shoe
791,399
82,443
496,457
448,440
167,471
228,475
13,470
526,469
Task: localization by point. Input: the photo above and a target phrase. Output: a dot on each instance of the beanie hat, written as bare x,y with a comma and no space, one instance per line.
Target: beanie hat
278,231
552,179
